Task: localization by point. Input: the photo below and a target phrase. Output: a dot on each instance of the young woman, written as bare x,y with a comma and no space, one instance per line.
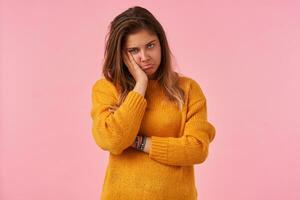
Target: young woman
151,120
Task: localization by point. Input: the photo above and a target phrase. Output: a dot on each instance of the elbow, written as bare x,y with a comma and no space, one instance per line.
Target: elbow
202,157
110,144
198,150
115,151
203,154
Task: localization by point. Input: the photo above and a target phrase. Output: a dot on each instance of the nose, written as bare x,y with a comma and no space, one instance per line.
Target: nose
144,56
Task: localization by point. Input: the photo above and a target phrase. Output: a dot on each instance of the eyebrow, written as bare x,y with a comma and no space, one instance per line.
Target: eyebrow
137,47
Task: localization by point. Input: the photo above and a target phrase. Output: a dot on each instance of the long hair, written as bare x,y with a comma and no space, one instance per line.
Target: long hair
114,69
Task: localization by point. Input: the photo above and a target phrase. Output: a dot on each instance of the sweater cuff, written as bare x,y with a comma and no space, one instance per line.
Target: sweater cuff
136,103
159,148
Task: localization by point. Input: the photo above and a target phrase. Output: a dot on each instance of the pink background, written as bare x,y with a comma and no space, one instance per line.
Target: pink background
244,54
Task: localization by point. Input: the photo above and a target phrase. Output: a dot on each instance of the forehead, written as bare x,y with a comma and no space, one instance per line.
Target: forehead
139,39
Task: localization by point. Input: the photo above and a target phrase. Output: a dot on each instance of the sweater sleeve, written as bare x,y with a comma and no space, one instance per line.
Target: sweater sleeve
115,131
192,147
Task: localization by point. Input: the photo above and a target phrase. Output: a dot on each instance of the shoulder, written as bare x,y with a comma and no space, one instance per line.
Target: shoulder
191,87
104,85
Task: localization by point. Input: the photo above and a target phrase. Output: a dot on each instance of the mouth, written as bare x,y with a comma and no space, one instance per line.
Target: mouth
147,67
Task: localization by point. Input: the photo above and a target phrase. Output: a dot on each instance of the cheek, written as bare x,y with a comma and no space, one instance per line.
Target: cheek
156,55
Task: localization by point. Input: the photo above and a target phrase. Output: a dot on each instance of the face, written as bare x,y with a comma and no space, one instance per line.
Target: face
146,51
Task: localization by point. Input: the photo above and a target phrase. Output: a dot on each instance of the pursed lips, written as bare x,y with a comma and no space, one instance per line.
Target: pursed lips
147,66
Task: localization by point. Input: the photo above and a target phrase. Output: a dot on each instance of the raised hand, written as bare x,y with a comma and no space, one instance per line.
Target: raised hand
135,70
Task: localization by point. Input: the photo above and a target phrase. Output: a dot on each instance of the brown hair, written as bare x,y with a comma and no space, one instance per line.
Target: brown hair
114,69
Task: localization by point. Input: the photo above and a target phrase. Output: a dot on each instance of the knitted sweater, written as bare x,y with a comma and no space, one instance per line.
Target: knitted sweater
180,139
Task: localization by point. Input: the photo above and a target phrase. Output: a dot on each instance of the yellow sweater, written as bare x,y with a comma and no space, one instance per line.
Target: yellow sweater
180,139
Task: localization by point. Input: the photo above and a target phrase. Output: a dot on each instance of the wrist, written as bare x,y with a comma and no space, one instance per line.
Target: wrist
141,87
142,143
148,145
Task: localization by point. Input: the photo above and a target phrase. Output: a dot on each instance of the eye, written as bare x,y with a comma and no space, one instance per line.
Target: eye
151,45
133,51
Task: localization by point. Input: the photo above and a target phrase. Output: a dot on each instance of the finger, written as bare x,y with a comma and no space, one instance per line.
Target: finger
129,58
132,60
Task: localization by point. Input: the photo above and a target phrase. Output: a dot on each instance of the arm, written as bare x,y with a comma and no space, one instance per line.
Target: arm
147,144
115,131
192,147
